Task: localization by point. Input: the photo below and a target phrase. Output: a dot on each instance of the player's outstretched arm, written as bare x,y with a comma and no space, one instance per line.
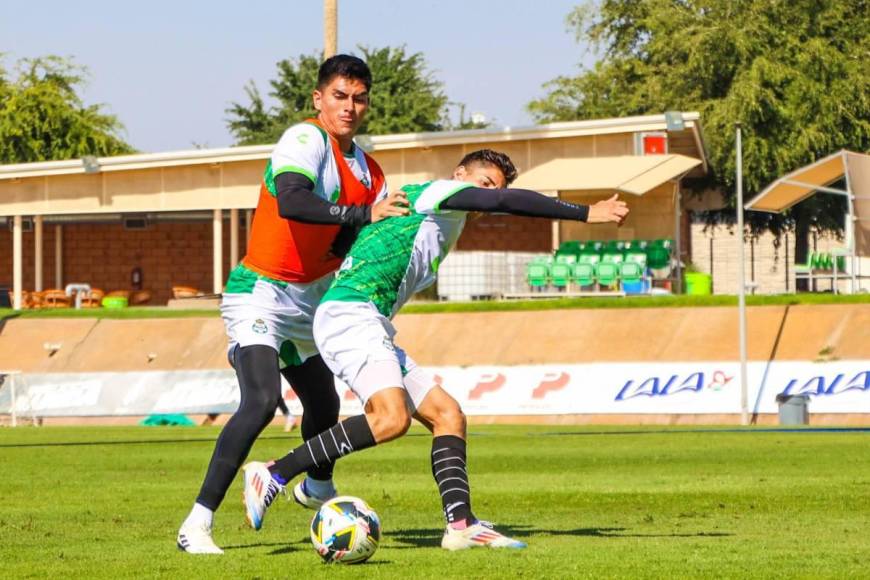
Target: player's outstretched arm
297,201
524,202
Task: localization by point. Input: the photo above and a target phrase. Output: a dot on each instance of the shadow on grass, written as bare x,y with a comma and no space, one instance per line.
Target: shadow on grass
431,537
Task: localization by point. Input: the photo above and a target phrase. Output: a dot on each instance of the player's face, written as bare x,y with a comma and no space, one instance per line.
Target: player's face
481,175
342,106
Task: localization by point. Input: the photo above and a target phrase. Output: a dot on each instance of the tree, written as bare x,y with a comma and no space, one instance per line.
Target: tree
42,117
405,97
795,74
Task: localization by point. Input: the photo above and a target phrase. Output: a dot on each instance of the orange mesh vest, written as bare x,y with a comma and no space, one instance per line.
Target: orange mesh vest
296,252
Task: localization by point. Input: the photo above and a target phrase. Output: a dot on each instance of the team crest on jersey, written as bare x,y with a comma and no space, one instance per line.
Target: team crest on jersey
259,326
365,181
303,138
347,264
388,344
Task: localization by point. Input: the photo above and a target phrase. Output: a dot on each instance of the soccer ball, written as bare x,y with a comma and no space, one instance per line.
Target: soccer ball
345,529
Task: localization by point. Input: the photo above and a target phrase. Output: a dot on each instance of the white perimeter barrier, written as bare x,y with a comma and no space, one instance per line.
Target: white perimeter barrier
661,388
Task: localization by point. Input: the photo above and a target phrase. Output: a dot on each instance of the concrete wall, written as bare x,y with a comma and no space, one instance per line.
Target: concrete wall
488,338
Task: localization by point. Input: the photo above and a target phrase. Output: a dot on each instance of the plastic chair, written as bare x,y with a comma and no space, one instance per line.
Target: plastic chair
537,274
566,258
630,272
612,258
588,258
560,275
636,257
607,274
584,274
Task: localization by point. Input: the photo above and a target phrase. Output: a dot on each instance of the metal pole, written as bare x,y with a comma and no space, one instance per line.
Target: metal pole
741,290
678,283
13,413
330,28
853,250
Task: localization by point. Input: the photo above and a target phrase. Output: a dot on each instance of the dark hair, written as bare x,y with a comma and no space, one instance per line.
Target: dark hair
490,157
344,65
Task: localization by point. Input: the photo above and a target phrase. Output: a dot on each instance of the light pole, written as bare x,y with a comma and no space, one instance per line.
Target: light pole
330,28
741,289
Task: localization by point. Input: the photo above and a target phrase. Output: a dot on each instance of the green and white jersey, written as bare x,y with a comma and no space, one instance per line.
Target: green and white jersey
394,258
304,148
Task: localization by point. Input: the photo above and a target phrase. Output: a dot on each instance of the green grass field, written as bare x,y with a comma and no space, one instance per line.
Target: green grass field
591,502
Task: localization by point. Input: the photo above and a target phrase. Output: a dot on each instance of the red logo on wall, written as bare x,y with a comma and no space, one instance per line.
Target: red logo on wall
487,384
549,385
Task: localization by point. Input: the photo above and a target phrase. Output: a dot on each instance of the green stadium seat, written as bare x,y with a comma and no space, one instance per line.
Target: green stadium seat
589,258
607,274
538,274
630,272
566,258
614,247
612,257
569,247
542,259
636,246
560,275
584,274
637,257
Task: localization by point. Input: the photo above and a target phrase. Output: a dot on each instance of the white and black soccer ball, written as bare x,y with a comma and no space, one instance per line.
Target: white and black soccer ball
345,529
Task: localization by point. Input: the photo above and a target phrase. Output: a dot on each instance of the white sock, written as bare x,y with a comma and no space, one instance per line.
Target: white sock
199,515
320,488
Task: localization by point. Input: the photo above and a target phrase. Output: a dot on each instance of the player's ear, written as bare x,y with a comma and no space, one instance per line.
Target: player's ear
459,173
316,96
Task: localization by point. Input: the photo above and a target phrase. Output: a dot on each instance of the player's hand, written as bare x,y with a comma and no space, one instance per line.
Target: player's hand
395,204
608,211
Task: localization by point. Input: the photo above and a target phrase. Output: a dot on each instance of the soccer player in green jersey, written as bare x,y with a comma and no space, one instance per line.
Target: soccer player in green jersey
389,262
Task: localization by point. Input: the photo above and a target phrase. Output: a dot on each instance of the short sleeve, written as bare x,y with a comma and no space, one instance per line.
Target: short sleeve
301,149
430,200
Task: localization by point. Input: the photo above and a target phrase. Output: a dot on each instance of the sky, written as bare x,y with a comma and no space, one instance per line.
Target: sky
169,69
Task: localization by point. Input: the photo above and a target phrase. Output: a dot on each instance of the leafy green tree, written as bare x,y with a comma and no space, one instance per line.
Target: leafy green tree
795,74
42,117
405,97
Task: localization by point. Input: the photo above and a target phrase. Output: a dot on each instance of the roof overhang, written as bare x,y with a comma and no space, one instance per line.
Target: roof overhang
802,183
690,122
627,174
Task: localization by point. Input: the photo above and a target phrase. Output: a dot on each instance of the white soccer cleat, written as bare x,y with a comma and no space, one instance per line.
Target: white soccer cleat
260,491
289,423
478,535
309,500
196,539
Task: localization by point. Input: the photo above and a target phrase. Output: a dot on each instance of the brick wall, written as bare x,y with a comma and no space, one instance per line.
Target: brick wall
103,255
715,250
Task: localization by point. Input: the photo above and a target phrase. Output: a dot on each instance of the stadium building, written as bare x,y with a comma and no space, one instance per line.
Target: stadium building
158,225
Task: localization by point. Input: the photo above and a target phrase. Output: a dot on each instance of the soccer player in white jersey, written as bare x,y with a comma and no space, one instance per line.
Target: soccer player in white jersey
389,262
318,189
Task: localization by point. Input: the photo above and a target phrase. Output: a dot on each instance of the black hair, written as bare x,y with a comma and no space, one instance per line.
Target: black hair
344,65
490,157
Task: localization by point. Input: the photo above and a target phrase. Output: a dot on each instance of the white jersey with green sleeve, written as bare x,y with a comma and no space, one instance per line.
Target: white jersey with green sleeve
394,258
304,148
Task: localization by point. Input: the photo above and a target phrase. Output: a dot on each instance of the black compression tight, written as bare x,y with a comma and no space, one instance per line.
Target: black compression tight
260,384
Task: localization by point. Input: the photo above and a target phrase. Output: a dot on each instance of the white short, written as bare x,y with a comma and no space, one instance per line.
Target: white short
276,314
356,342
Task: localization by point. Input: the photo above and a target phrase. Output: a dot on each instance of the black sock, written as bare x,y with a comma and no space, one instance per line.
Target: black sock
353,434
451,475
313,383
